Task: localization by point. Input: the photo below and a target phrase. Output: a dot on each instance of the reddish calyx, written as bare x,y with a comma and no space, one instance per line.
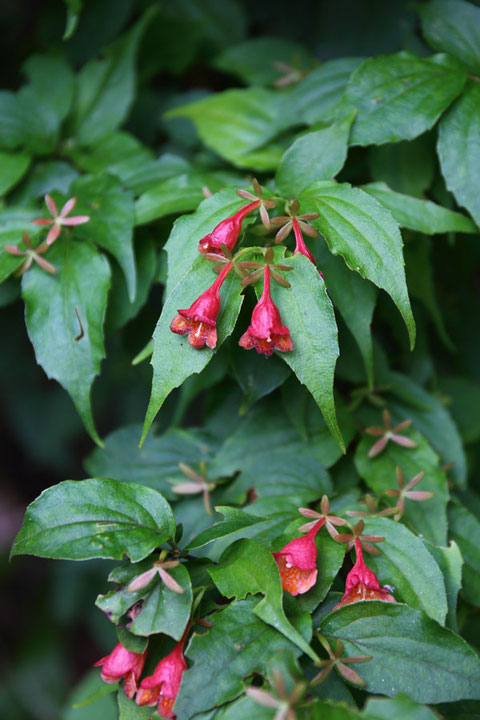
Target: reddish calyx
266,332
362,583
200,319
226,232
297,562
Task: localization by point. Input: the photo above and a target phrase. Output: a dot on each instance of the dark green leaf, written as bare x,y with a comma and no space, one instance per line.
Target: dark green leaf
17,127
421,215
13,167
53,82
462,398
400,96
306,310
235,519
111,213
318,155
120,309
398,708
165,611
257,376
131,642
256,60
129,710
450,561
65,319
429,517
459,149
453,26
175,195
407,167
465,530
412,654
367,237
238,644
95,518
173,358
405,564
317,98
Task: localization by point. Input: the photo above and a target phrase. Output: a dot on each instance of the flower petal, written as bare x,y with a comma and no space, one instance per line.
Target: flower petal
76,220
53,234
51,205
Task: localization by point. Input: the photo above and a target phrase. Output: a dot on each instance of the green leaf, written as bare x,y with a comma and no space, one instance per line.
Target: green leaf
257,376
247,567
111,212
406,564
306,310
129,710
255,61
238,123
13,167
120,309
317,97
449,560
64,319
156,464
90,689
106,88
53,82
95,518
465,530
421,215
45,178
318,155
459,149
235,519
130,642
453,26
412,654
366,235
74,8
174,360
400,96
462,398
238,644
12,223
429,517
355,299
398,708
25,121
406,167
175,195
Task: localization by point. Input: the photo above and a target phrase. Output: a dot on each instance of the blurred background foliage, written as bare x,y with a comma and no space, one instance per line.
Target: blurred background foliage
50,629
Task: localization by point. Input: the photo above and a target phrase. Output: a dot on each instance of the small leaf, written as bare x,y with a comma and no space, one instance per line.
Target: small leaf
95,518
235,519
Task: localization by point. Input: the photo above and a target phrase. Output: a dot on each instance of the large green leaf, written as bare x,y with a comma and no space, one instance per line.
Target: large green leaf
95,518
106,88
421,215
453,26
25,121
53,82
406,564
111,213
400,96
237,123
459,149
177,194
354,298
160,609
235,520
317,97
366,235
247,567
412,654
428,518
129,710
306,310
174,360
13,167
238,644
64,317
256,60
398,708
156,464
465,530
318,155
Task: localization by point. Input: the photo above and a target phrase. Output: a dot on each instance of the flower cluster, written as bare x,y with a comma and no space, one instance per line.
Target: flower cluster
266,332
58,220
160,688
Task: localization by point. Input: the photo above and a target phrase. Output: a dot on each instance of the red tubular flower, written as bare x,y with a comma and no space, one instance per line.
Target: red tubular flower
199,320
266,332
297,562
226,232
122,663
162,687
362,583
300,247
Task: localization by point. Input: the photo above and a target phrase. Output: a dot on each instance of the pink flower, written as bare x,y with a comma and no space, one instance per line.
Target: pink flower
266,332
362,583
297,562
227,232
122,663
162,687
300,247
59,219
199,320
